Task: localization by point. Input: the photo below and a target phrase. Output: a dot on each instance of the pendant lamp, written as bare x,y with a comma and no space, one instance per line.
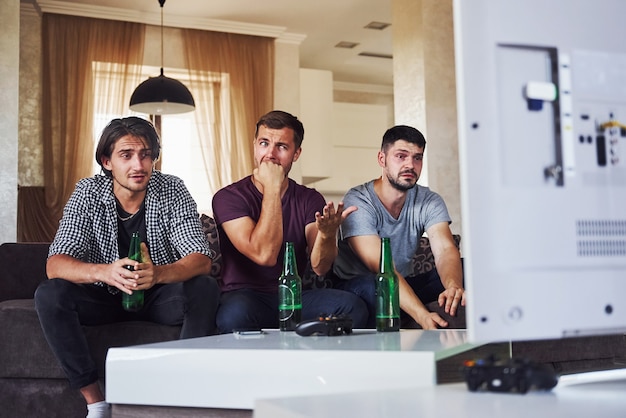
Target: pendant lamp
162,95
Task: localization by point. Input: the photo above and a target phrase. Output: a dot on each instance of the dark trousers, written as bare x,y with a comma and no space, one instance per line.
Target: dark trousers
246,308
427,287
63,307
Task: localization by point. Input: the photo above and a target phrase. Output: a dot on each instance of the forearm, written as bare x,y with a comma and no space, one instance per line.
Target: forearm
63,266
323,254
192,265
266,238
327,223
450,270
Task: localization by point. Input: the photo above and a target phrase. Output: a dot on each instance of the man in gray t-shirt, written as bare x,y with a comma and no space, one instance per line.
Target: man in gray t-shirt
395,206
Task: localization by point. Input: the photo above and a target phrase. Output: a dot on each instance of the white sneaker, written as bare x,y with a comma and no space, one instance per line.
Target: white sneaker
99,410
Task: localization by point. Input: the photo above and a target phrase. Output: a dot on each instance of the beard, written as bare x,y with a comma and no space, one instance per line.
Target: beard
401,185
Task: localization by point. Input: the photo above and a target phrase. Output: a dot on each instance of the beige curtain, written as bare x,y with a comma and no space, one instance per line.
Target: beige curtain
245,66
71,48
74,48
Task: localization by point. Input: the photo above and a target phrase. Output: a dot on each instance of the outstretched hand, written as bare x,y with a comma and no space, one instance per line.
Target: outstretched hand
450,299
329,220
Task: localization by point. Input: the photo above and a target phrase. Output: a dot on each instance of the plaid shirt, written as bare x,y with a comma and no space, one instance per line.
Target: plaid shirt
88,229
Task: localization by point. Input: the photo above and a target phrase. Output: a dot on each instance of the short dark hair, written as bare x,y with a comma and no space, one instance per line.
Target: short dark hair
118,128
404,132
277,119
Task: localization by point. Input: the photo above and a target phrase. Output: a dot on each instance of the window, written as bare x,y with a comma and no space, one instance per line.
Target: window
182,152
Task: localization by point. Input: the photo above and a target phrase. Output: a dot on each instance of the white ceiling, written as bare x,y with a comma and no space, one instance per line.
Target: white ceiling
318,24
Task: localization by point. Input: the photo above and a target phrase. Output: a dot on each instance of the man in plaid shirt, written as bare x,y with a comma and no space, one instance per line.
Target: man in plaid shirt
88,264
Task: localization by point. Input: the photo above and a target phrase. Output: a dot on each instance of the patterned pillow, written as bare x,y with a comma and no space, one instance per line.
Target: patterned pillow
423,261
209,227
310,280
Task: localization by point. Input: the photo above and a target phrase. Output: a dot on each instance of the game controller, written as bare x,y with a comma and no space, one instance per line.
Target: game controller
325,325
514,375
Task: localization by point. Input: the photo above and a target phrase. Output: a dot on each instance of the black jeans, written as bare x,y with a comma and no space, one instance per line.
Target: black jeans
63,307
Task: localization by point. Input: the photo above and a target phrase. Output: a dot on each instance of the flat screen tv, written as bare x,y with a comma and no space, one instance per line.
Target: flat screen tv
541,93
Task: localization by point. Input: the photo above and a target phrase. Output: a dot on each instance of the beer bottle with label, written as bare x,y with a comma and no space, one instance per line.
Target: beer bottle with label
387,292
134,302
289,292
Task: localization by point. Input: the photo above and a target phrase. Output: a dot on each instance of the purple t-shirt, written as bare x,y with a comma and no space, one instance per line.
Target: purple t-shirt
243,199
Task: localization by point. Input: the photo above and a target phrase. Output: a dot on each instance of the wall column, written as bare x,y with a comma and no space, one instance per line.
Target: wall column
425,91
287,83
9,112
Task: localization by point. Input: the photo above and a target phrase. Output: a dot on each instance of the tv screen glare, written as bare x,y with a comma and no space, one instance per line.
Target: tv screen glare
541,96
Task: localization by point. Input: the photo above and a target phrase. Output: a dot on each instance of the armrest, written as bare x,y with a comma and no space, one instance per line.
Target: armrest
22,268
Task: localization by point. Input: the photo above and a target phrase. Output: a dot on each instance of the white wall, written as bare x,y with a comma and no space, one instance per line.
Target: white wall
341,139
316,102
357,133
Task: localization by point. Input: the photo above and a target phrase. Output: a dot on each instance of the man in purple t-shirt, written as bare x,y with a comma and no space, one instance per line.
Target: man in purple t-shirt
257,215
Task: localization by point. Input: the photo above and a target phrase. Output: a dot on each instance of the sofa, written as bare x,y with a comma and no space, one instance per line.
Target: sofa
32,384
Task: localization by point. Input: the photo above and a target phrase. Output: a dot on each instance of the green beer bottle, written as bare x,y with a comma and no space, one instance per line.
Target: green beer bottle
387,292
289,292
134,302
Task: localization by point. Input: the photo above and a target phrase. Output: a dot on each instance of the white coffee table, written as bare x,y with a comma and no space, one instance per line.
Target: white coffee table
228,371
583,395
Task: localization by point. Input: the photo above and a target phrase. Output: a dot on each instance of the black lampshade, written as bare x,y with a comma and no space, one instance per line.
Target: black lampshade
162,96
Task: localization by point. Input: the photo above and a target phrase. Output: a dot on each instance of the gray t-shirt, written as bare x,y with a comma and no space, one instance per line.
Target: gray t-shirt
422,209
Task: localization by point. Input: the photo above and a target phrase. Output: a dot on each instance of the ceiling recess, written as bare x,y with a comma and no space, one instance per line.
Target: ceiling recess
377,25
346,44
375,55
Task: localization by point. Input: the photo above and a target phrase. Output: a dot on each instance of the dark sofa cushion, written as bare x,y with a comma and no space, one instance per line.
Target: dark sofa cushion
49,398
24,352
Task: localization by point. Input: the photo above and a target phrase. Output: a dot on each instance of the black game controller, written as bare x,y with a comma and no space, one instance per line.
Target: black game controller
514,375
325,325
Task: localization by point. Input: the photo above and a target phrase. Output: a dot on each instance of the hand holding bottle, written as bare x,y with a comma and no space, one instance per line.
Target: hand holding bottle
134,301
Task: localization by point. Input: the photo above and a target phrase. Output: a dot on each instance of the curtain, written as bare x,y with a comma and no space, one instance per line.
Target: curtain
71,47
228,103
245,65
33,225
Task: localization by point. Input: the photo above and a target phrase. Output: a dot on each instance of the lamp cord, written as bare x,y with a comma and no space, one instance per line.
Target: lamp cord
161,2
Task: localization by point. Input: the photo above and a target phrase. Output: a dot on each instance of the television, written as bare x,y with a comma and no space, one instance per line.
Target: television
541,96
